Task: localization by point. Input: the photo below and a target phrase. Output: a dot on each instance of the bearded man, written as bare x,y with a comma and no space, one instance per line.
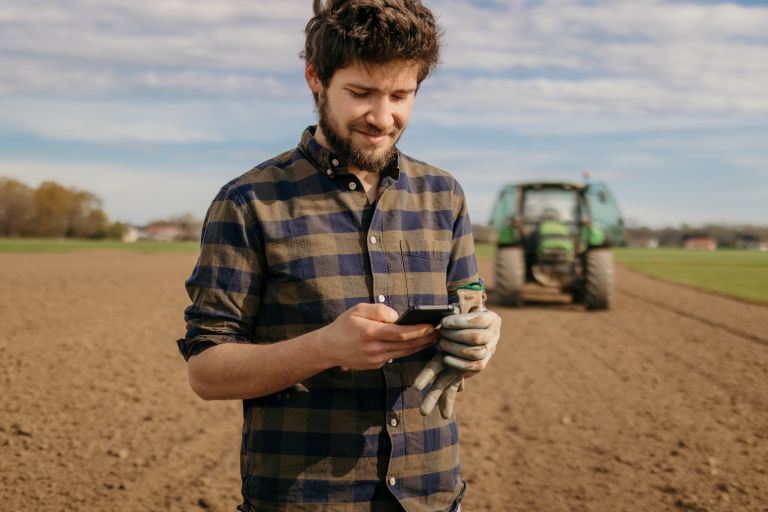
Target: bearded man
306,262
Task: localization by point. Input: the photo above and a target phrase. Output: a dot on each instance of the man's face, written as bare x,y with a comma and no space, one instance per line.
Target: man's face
364,111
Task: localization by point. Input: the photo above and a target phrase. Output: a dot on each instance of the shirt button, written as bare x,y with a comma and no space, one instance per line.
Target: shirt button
329,172
392,480
335,162
382,298
373,239
390,361
393,422
352,185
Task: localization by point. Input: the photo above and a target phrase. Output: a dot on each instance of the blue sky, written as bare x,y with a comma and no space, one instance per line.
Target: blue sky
154,104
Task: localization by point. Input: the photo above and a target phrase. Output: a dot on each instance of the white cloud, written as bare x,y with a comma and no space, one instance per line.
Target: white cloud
550,66
211,34
217,71
573,33
126,122
610,56
109,121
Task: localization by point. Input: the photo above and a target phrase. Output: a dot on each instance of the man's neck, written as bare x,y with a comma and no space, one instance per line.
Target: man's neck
370,181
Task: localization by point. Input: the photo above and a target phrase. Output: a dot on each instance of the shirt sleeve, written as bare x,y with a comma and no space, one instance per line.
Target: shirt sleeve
462,267
226,283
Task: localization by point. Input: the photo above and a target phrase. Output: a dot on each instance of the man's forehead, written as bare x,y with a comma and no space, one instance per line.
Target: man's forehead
392,75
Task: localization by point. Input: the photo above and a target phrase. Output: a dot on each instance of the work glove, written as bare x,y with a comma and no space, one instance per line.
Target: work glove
468,341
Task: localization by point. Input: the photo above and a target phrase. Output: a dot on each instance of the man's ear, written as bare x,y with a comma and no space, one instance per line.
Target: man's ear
314,83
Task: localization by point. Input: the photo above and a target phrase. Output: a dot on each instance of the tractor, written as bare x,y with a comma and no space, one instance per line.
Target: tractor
558,236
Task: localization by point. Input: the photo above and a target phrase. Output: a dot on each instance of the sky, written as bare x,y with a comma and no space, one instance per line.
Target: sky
154,104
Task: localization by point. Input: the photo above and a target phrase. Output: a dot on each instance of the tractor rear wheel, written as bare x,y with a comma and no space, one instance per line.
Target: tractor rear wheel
598,282
510,276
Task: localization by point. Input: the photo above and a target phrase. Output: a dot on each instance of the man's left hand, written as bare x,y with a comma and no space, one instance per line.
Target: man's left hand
469,340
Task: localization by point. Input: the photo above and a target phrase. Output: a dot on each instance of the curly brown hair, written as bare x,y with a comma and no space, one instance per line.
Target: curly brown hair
343,32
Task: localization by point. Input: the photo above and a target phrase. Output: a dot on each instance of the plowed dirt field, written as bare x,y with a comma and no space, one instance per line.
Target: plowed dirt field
659,404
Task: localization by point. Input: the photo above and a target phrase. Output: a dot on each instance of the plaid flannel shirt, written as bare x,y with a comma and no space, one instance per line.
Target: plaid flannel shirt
286,248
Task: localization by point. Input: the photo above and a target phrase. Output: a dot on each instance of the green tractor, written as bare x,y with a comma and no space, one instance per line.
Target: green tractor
559,236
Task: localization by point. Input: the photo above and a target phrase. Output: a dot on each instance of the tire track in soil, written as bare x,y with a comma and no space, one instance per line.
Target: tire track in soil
746,319
717,325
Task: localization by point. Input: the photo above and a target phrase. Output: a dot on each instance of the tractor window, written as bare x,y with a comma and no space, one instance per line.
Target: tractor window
559,205
602,207
504,209
605,213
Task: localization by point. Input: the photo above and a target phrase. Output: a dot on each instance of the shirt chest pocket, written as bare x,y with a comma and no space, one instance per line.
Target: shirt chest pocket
425,267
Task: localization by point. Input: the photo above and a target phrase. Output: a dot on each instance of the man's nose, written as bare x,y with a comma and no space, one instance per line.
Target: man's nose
381,114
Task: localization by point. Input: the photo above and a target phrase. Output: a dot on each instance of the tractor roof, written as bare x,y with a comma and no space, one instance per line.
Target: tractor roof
567,185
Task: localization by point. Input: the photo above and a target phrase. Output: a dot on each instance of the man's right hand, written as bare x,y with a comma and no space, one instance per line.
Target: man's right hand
362,338
365,337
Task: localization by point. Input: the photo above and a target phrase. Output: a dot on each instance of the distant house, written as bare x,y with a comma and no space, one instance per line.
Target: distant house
162,232
700,243
647,243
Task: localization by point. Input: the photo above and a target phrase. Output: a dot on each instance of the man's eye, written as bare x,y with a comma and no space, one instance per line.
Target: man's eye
398,97
356,94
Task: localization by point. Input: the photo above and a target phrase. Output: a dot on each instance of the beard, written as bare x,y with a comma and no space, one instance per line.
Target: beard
364,158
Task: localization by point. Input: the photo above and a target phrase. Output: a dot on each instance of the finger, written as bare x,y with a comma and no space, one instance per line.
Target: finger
443,380
447,399
475,320
408,348
429,372
471,352
463,364
474,336
429,402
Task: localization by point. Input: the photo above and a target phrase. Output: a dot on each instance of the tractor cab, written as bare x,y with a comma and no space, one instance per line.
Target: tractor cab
557,235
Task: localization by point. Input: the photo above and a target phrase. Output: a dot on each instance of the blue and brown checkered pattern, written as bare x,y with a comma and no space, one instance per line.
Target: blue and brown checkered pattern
286,248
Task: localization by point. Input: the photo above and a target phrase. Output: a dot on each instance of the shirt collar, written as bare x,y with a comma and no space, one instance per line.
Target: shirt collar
330,164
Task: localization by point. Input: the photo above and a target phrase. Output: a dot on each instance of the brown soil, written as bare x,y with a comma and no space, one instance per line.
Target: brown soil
659,404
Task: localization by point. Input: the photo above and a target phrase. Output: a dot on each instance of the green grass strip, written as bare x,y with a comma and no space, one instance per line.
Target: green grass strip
739,273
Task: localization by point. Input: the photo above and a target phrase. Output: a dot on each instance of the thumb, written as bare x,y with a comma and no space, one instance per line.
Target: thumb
376,312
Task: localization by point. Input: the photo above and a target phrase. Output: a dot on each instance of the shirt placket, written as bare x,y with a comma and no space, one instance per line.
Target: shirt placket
393,376
379,269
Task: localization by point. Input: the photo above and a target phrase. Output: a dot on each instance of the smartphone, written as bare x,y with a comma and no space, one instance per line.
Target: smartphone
425,314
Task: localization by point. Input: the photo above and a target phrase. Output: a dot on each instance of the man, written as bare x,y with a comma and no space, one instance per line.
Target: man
306,262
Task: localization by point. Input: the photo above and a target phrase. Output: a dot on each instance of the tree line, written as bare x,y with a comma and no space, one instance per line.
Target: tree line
726,235
53,211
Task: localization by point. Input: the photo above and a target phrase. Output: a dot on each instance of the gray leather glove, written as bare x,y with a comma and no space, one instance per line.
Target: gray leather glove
468,344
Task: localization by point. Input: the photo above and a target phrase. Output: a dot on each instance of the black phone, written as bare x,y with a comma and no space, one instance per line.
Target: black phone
425,314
